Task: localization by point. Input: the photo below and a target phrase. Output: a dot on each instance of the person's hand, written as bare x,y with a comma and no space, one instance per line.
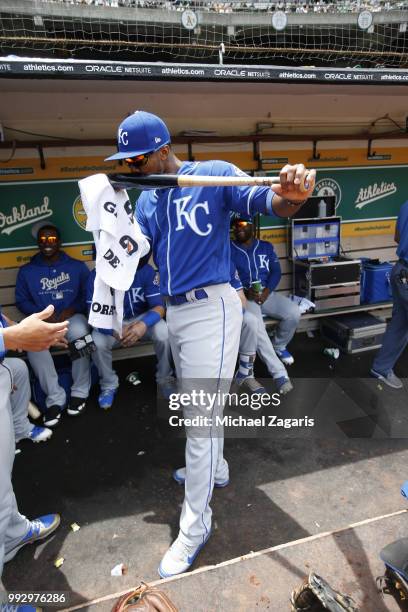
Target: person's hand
33,333
263,296
291,180
251,294
133,333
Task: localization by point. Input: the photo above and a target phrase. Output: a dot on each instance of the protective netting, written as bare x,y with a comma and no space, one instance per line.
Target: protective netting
318,33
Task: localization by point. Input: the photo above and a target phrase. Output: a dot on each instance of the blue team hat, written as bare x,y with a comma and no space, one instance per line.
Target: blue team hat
140,133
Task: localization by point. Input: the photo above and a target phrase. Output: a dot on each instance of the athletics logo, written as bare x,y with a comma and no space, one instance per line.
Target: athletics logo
79,213
374,192
328,187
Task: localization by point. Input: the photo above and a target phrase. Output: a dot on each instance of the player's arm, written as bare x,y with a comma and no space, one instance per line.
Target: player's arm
156,309
33,333
135,331
236,284
281,200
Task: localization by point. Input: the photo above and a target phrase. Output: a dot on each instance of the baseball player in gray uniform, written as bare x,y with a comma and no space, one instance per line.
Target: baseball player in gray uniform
32,334
189,231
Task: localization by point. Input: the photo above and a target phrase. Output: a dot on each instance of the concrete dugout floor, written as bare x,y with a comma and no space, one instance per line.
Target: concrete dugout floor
111,473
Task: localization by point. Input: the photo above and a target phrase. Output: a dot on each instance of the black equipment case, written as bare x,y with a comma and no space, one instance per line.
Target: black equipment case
354,333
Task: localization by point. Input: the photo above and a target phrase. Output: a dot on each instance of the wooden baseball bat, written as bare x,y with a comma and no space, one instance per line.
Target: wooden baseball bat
165,181
33,411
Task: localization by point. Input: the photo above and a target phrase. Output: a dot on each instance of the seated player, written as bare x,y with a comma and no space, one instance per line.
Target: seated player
53,277
254,338
256,262
143,312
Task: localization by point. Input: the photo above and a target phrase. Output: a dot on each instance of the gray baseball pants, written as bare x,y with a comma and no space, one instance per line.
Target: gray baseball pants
204,338
13,525
255,339
278,307
20,397
102,357
44,368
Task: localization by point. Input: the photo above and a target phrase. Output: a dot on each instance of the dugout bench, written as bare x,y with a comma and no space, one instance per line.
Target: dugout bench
308,322
380,247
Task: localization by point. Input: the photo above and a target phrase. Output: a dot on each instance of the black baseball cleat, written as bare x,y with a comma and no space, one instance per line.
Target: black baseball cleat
52,415
76,406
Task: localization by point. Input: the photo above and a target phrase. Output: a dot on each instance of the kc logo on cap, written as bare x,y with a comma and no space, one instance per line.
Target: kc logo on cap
140,133
123,137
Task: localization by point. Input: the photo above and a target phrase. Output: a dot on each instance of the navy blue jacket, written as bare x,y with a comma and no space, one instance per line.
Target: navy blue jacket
62,284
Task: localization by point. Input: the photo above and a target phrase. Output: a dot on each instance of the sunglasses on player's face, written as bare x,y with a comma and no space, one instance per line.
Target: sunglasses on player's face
48,239
139,161
241,224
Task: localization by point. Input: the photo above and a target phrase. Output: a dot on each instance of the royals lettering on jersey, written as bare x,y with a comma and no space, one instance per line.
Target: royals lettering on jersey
189,227
61,283
142,295
257,262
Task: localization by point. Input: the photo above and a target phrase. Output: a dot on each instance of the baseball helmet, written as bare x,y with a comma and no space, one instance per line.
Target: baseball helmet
140,133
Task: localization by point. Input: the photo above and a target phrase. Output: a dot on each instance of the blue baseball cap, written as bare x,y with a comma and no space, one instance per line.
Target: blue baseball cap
140,133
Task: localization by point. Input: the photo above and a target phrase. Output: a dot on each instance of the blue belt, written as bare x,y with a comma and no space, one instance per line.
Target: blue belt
176,300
